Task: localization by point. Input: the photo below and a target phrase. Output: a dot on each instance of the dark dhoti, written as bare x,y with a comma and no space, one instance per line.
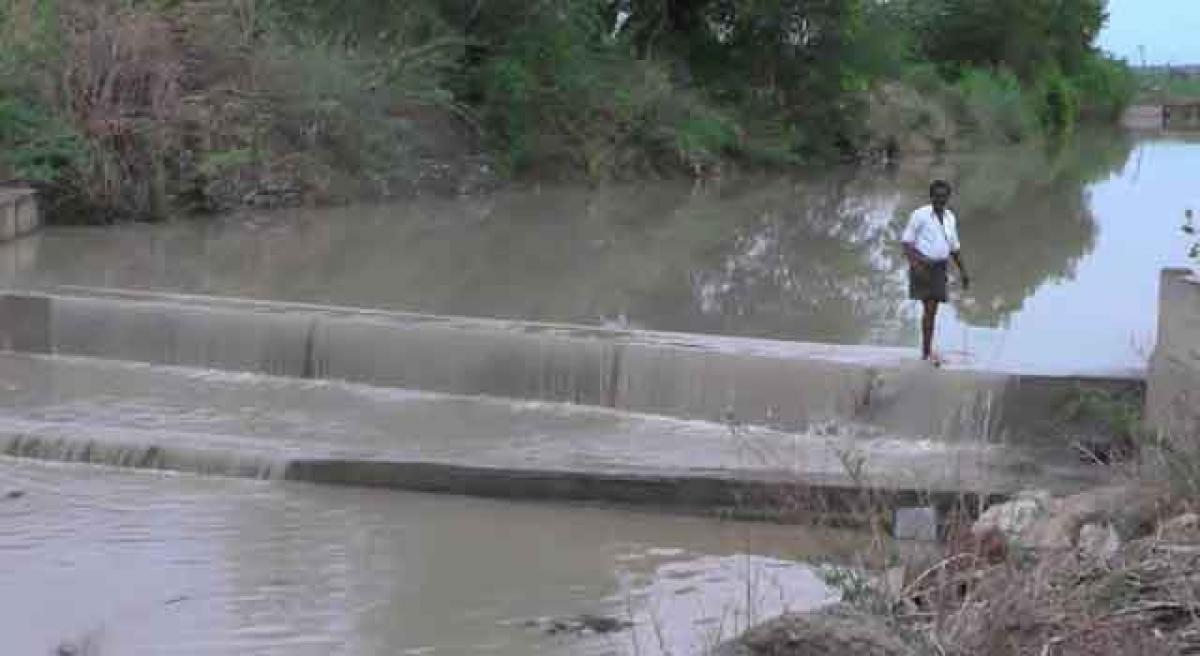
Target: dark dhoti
928,282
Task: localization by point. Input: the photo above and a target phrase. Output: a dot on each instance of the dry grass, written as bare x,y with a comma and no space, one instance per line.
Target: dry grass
120,81
1063,605
207,105
980,595
983,599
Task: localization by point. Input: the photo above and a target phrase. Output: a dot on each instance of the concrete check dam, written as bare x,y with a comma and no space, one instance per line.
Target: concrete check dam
520,409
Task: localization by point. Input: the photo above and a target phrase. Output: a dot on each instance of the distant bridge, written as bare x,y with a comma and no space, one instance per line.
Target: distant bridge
1164,115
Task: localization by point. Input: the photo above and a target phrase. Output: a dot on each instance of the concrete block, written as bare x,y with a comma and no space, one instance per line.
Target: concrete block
19,212
29,217
1173,395
920,523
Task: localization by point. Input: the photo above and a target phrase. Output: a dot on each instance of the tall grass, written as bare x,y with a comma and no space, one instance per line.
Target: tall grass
143,109
994,105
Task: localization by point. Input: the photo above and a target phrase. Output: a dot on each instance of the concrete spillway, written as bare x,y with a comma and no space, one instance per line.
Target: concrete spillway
209,422
519,410
783,385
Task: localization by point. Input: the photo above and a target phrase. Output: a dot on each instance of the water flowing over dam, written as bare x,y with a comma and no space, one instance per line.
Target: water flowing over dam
672,406
230,389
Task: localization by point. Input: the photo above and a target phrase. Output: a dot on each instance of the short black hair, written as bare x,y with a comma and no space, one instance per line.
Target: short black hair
940,183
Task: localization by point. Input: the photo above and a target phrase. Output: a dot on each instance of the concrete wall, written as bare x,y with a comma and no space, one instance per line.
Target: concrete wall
763,382
19,213
1143,117
1173,395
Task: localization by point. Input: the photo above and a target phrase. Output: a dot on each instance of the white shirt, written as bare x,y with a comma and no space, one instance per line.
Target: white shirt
933,239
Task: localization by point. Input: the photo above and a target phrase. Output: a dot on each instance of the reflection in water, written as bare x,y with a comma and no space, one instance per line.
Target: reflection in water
1033,224
808,258
116,562
808,261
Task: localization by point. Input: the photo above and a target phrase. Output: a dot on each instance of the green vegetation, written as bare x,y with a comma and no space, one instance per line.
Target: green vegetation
142,108
1159,83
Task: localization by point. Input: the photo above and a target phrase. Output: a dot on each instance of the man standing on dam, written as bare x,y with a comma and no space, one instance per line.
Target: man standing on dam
930,240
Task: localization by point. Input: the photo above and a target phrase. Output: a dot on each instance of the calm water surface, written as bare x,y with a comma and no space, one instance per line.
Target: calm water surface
137,563
1065,245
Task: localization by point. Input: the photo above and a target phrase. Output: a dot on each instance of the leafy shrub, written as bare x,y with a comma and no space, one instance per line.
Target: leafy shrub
558,93
1057,102
993,104
35,145
1105,87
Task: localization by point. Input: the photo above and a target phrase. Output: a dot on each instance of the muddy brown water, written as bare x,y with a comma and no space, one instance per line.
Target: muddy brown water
1064,245
108,561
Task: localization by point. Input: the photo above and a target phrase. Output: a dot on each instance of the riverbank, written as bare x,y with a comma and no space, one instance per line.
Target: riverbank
148,111
1112,570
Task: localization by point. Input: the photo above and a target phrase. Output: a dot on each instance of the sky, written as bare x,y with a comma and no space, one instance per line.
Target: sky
1170,30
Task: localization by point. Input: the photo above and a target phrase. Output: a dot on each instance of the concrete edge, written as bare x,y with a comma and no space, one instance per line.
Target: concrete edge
817,501
868,356
777,348
761,382
801,500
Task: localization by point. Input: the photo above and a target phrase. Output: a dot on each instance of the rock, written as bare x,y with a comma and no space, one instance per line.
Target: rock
892,582
915,524
1014,518
1099,542
1183,529
835,631
581,625
603,624
1033,520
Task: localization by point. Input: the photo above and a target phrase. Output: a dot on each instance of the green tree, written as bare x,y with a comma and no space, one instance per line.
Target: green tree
1024,35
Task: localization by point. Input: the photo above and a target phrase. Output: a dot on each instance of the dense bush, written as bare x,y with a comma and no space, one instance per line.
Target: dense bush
994,104
1105,87
143,108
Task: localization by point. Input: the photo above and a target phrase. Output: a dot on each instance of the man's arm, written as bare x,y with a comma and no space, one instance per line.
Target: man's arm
962,270
915,258
909,239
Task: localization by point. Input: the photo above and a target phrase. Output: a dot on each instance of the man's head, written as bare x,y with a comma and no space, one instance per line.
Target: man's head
939,193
